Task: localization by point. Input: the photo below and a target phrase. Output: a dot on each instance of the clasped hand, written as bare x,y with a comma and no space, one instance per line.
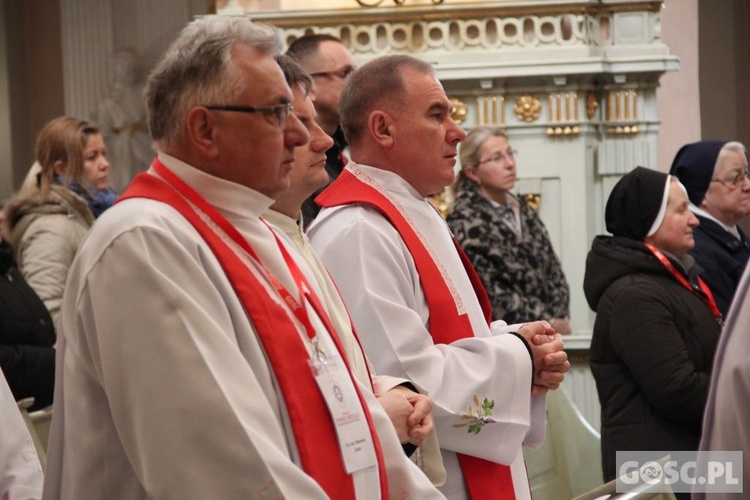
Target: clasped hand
550,360
410,413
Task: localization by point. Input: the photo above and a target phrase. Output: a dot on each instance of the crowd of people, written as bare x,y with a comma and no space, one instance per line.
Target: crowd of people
277,308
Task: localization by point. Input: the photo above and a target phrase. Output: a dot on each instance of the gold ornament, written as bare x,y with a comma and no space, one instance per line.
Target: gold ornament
533,200
591,105
458,110
528,107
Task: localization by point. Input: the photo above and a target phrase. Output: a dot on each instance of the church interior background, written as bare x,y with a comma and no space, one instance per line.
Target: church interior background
587,89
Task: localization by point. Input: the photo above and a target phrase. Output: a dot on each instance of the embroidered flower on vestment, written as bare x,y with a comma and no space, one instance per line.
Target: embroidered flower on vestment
475,418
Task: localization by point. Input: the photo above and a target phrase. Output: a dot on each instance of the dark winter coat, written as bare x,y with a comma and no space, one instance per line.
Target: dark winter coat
27,335
651,352
522,275
722,257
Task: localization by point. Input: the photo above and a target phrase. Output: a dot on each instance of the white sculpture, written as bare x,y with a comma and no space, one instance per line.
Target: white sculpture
121,117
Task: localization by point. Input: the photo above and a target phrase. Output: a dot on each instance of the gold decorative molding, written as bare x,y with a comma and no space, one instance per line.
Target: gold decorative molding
622,112
563,108
301,18
528,107
591,105
490,110
458,110
622,105
564,131
443,201
623,130
533,200
375,3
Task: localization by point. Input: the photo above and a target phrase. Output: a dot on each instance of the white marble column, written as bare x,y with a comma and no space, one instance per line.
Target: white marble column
93,29
86,46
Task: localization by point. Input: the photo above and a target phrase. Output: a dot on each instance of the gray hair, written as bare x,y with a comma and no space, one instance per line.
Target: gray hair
733,146
376,83
471,149
472,145
197,69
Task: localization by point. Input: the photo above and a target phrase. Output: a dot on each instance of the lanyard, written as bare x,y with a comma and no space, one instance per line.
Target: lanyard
707,296
303,286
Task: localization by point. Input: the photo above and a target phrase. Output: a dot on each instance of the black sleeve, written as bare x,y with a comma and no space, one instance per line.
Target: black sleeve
30,372
528,348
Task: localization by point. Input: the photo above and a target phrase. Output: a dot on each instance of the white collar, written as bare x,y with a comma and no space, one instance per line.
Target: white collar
226,196
390,181
287,224
699,211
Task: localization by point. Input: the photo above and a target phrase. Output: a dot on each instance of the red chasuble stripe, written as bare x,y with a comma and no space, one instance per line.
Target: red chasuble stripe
484,479
314,432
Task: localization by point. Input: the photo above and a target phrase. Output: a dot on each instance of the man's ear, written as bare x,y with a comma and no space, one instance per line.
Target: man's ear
380,127
59,168
202,132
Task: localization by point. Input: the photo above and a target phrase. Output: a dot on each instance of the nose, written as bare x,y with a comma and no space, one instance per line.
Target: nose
295,132
746,183
320,141
455,134
693,222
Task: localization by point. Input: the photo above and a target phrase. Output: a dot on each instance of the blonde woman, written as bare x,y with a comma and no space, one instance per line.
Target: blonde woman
47,220
505,239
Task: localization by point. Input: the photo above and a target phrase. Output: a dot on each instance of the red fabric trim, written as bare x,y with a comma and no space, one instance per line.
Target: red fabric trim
706,295
484,479
314,432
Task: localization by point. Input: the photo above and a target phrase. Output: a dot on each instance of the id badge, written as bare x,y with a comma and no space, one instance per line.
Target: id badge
337,387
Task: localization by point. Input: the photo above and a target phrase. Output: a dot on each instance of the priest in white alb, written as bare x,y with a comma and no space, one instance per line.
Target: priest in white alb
406,408
418,306
196,359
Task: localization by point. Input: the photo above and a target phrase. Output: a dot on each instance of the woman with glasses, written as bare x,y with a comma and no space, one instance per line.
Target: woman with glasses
715,176
47,222
504,237
657,325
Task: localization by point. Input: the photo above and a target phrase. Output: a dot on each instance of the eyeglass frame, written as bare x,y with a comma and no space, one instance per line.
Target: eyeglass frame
280,111
738,180
342,74
500,157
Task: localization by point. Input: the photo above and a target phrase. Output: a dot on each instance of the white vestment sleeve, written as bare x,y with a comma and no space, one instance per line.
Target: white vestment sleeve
189,409
377,278
538,431
21,475
725,426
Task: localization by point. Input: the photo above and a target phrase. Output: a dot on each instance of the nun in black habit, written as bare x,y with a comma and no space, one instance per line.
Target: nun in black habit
657,324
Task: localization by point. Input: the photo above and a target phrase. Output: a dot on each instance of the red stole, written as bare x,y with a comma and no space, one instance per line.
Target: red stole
313,430
484,479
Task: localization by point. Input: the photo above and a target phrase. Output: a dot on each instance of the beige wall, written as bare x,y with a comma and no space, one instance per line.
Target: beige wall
679,93
33,80
711,38
724,61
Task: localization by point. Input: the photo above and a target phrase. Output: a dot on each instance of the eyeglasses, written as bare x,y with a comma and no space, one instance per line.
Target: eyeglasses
736,181
500,157
279,113
342,73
